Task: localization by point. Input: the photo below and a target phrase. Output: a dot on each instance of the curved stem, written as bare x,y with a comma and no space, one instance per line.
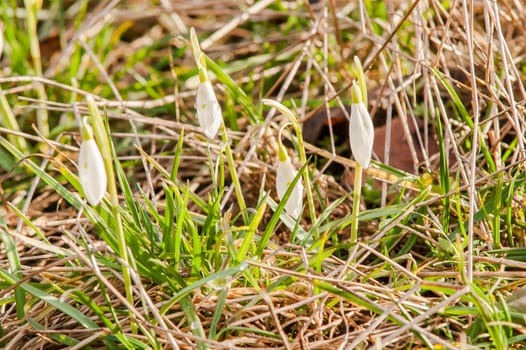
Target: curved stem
233,174
301,149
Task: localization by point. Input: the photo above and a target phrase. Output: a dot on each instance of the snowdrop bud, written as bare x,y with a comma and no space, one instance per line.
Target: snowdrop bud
361,129
208,109
284,176
91,166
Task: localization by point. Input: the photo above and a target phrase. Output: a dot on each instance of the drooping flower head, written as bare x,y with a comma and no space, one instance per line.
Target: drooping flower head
91,166
361,129
208,109
284,176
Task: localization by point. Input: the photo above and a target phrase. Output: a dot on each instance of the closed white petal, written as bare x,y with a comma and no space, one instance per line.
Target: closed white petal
284,176
361,134
208,109
91,171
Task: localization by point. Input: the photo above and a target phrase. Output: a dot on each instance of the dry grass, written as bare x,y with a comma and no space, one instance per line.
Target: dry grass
423,274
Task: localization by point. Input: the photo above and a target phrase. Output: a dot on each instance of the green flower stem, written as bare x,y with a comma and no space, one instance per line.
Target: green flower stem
200,59
358,71
356,202
32,7
282,152
8,119
102,138
233,175
301,149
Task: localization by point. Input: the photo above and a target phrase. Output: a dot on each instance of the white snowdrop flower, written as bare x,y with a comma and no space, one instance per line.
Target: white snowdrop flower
284,177
91,167
361,129
208,109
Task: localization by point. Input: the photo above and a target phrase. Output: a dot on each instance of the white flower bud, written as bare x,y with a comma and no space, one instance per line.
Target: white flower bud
284,176
91,168
208,109
361,129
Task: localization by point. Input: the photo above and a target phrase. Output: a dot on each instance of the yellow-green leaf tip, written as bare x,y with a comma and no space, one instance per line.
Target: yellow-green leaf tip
356,94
